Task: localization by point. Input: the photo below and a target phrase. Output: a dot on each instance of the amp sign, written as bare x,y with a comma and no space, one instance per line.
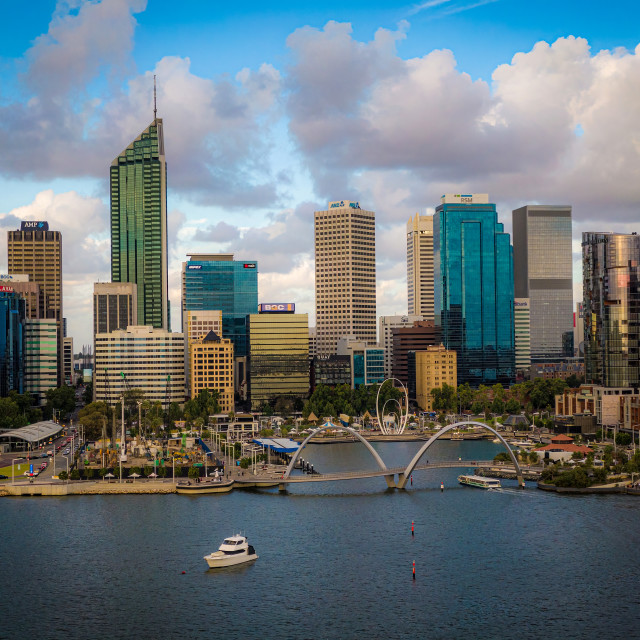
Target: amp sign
34,225
278,307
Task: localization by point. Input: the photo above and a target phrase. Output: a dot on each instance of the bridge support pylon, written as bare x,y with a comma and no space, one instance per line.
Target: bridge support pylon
282,487
391,481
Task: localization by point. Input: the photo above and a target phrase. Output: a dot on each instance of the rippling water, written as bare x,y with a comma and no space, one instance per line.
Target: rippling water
335,560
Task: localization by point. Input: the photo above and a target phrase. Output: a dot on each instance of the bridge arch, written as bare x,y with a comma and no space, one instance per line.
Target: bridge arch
403,477
374,453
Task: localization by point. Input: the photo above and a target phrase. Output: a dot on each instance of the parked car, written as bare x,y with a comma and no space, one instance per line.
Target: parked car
3,477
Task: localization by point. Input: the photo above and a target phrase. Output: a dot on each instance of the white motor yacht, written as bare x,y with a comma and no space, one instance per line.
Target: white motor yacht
233,550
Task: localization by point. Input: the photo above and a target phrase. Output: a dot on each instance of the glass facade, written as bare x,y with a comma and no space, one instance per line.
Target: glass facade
279,356
611,280
139,223
543,273
12,342
41,356
226,285
474,291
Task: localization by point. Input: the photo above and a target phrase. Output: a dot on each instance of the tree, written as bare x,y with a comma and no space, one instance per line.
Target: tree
497,406
574,381
465,396
444,397
512,406
94,417
62,399
498,391
87,394
623,439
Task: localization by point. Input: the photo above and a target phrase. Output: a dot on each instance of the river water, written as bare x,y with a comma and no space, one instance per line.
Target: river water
335,560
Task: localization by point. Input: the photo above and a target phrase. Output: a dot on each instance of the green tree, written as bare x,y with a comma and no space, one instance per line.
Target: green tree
94,417
623,439
512,406
62,399
87,394
466,396
498,391
444,398
497,406
574,381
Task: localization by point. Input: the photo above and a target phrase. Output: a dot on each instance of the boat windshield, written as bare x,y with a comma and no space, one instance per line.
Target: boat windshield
232,542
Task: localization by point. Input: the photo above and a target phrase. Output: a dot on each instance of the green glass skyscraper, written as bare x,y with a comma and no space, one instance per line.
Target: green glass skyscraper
139,223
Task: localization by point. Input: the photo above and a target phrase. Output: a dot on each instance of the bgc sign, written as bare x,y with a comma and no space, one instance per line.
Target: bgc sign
34,225
278,307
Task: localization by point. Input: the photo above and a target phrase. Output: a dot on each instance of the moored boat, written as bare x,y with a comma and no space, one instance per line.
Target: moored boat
206,486
233,550
480,482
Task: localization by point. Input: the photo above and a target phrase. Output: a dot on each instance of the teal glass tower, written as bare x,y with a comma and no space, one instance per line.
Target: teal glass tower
139,223
12,341
473,263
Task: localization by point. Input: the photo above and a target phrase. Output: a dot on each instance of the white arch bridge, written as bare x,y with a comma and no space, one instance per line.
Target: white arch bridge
403,473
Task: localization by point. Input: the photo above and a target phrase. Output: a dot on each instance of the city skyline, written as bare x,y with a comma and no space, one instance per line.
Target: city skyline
260,137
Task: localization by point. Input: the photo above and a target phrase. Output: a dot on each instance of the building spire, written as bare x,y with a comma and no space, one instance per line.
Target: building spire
155,104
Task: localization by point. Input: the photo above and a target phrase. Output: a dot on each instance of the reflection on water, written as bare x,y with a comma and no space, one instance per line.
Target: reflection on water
335,560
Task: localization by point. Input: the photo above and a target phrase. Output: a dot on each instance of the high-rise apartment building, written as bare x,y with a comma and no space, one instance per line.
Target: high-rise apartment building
345,252
578,330
41,358
435,367
67,360
12,341
211,367
217,282
386,326
474,288
138,179
115,306
542,272
200,324
522,327
611,285
420,266
36,251
367,363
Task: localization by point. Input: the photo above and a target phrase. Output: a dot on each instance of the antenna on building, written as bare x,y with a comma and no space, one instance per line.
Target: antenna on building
155,104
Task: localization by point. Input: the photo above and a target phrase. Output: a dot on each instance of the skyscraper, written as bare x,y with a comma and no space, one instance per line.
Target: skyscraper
611,281
115,306
37,252
420,266
474,288
12,341
139,223
345,251
542,272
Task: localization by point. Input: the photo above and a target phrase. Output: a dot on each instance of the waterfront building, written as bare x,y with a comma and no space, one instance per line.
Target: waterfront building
12,341
385,333
36,251
474,288
522,334
217,282
420,266
330,370
345,269
611,276
211,367
41,358
138,178
115,306
543,273
278,354
151,360
435,367
416,337
367,363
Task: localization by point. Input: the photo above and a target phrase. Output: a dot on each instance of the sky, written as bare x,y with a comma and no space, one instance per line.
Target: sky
271,110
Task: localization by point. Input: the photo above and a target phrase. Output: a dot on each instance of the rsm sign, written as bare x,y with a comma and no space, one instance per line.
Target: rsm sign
278,307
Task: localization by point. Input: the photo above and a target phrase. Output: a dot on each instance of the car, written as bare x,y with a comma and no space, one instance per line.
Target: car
3,477
43,466
66,451
49,453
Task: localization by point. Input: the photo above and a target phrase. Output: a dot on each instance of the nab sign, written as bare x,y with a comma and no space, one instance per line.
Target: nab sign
33,225
278,307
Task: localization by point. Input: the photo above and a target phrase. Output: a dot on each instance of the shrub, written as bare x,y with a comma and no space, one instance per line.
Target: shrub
75,474
194,472
63,475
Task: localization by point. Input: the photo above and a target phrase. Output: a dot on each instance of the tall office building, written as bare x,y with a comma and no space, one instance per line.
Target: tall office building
279,354
139,223
387,325
41,358
542,272
420,266
217,282
522,327
474,288
345,251
115,306
12,341
367,363
415,337
611,284
67,360
578,330
37,252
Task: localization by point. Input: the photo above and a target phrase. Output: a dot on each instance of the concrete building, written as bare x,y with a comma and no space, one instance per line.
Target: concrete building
41,358
434,367
211,367
67,360
36,251
278,356
578,330
330,370
313,343
367,363
345,269
151,359
138,178
115,306
522,328
543,273
12,341
611,274
474,288
386,326
420,266
418,337
30,291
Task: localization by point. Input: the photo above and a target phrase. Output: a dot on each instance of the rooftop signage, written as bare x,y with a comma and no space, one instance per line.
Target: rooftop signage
250,265
465,198
16,277
341,204
277,307
34,225
5,288
193,267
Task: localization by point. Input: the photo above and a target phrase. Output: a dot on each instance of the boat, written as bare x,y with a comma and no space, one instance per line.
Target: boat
205,486
480,482
457,436
233,550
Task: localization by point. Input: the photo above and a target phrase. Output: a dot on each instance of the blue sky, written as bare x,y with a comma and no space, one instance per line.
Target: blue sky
272,109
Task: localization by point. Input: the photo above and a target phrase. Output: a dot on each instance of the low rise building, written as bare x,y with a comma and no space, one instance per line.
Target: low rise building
434,367
367,363
561,448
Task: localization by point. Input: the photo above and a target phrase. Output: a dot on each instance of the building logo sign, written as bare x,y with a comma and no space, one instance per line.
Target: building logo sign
278,307
340,204
5,288
249,265
193,267
30,225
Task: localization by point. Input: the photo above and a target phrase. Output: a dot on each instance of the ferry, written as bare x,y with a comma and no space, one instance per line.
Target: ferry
480,482
233,550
